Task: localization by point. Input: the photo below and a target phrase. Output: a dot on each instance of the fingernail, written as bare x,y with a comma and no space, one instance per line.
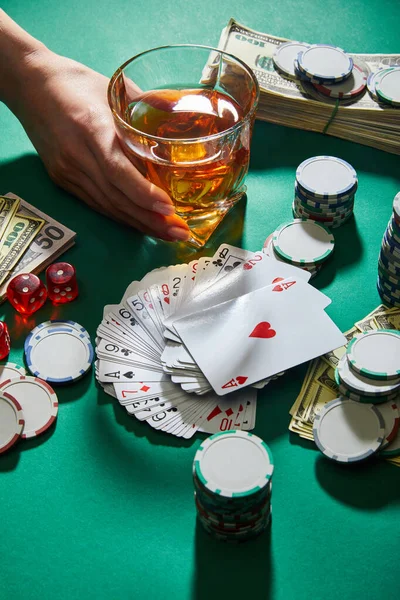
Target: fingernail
178,233
163,208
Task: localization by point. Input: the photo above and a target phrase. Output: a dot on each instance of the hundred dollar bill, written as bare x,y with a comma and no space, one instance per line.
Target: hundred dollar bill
52,241
18,236
299,104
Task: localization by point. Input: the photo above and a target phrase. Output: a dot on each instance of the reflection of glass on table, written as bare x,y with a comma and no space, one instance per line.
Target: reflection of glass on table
184,116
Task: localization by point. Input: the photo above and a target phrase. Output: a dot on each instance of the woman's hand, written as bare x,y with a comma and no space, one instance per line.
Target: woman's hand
63,107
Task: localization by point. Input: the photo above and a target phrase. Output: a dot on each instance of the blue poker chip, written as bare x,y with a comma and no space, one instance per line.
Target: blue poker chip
388,261
324,63
391,239
332,205
58,354
53,324
387,298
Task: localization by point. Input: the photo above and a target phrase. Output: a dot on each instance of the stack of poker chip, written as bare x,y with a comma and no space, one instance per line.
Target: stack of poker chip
302,243
232,474
325,190
389,259
331,71
365,418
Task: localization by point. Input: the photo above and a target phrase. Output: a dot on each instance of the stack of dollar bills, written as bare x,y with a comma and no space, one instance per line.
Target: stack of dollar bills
29,240
319,386
299,104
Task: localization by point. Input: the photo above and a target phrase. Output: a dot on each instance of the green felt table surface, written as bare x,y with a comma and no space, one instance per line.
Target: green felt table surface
102,505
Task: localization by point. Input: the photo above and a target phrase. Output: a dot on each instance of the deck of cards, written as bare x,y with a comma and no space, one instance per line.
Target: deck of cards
188,346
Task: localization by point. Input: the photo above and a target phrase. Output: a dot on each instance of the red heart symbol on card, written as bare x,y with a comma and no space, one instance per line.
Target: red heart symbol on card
263,330
277,288
240,379
247,266
166,300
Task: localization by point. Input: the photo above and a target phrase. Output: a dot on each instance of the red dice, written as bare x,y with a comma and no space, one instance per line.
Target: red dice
61,283
4,340
26,293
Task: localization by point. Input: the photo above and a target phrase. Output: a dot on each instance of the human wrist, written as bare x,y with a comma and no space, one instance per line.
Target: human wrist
21,56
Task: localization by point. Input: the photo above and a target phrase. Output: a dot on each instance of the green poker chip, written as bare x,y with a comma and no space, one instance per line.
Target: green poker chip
388,86
376,354
232,479
234,464
303,242
367,394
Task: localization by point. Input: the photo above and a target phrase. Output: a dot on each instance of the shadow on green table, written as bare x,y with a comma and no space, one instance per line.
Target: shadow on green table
369,485
220,571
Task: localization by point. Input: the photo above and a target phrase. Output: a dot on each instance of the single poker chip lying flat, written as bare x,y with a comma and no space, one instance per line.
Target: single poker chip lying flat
53,325
354,85
321,61
303,241
387,86
285,55
364,385
11,421
8,370
376,354
38,401
347,431
59,354
234,464
326,177
391,417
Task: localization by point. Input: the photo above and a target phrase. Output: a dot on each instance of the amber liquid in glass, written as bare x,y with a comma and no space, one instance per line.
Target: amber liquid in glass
200,173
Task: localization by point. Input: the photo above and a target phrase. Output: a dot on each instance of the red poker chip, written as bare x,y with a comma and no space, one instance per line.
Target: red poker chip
354,85
11,421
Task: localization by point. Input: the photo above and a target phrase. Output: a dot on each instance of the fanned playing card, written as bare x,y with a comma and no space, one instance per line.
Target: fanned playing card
224,325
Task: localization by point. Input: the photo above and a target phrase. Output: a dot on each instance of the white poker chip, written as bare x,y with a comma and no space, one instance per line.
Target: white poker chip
371,81
11,421
347,431
59,354
326,177
387,86
53,325
396,205
8,370
322,61
38,401
268,249
364,385
393,448
391,417
234,464
354,85
376,354
284,57
303,241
